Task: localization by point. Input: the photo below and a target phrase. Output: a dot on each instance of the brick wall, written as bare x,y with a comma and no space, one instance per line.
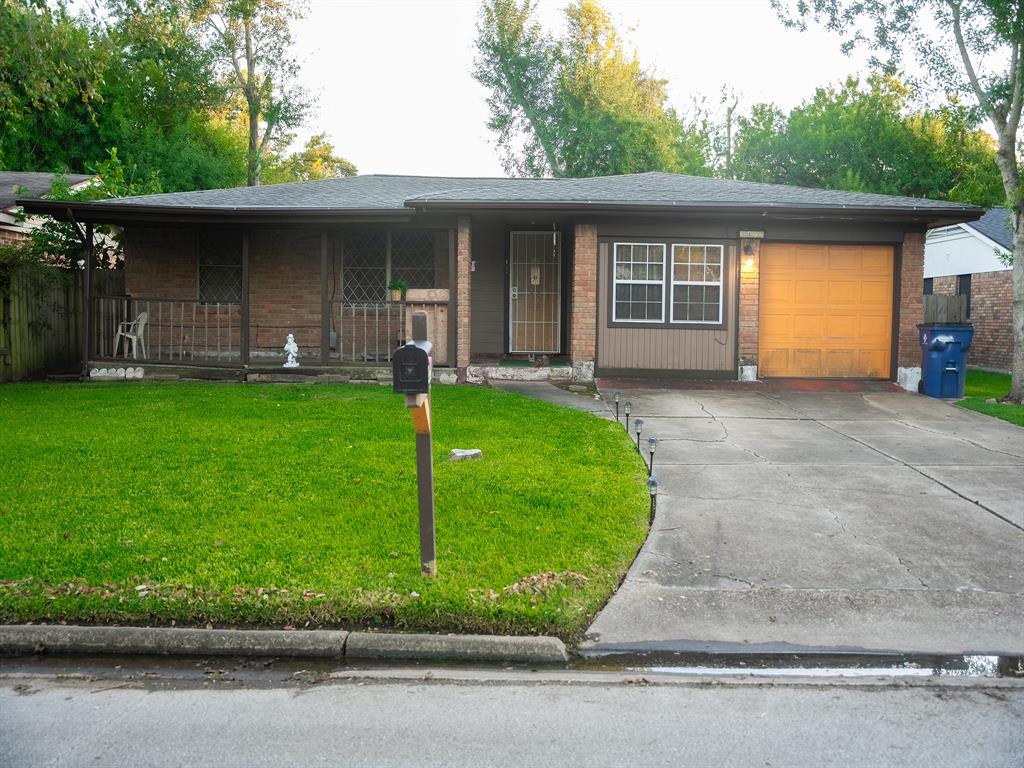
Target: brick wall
991,315
750,295
583,319
284,291
10,236
911,305
463,256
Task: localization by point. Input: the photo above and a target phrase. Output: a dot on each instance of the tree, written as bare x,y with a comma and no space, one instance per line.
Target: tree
316,161
870,138
972,48
251,40
576,106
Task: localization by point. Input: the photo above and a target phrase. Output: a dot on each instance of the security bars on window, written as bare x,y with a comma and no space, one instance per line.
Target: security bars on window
639,283
373,259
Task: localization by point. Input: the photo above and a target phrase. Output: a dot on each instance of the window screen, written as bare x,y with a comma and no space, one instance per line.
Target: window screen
639,282
696,283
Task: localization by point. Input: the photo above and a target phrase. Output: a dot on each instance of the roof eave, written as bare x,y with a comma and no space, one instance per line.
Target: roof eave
109,212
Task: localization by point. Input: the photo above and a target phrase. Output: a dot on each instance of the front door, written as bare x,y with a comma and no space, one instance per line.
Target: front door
535,293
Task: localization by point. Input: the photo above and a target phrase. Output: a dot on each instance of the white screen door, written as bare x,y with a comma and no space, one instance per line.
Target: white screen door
535,292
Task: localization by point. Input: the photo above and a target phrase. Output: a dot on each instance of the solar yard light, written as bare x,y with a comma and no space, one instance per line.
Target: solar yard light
616,396
638,425
652,489
626,408
652,446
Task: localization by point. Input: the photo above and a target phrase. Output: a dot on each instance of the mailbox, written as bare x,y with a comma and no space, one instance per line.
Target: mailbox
411,368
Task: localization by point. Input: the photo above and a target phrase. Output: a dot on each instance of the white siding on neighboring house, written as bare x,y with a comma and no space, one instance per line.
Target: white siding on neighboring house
959,250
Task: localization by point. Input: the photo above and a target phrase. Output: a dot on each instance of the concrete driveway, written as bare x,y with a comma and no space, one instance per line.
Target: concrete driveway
789,521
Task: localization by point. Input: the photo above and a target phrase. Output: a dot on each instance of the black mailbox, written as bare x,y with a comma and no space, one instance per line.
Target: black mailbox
410,369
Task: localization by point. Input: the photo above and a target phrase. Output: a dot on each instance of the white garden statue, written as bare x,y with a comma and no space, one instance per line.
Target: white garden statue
292,350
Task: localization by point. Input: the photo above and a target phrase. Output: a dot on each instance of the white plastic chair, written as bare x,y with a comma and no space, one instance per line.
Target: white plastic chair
132,331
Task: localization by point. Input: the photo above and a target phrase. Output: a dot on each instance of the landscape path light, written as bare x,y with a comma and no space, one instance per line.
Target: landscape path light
652,446
638,425
652,489
626,408
616,397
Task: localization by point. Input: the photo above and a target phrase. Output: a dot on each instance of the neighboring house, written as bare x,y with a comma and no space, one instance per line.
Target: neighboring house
650,274
969,259
17,184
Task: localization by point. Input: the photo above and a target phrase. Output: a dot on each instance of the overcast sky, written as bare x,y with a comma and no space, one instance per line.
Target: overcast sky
396,93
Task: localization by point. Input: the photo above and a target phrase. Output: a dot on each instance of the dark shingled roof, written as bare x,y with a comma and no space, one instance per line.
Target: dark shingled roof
996,225
396,194
19,184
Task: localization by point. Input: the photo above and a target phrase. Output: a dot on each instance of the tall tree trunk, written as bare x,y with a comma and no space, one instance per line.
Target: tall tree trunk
253,155
254,104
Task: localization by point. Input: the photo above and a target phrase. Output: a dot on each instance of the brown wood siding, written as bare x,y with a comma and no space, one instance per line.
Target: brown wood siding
666,349
487,296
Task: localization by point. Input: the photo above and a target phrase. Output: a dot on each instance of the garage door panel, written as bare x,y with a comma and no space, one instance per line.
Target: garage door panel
825,310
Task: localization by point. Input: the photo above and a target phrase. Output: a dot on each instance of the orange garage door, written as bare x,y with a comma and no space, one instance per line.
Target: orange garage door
825,311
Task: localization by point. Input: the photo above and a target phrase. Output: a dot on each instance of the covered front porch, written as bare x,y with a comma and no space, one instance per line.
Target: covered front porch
229,297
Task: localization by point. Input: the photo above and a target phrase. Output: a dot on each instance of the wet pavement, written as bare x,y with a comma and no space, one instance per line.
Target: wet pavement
824,521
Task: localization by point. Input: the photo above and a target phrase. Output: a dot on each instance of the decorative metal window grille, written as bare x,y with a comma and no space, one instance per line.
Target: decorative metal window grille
220,267
639,282
412,258
697,283
373,259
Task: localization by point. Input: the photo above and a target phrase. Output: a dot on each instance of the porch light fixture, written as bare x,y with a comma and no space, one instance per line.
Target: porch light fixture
626,408
616,397
638,425
652,446
652,489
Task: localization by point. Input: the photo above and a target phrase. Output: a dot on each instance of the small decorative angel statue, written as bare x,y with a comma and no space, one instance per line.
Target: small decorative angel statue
292,350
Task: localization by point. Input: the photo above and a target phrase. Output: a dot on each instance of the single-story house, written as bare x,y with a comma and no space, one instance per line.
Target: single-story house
650,274
15,184
972,259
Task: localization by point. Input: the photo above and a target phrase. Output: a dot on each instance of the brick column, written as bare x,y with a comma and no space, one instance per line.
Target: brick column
911,310
463,256
583,306
750,301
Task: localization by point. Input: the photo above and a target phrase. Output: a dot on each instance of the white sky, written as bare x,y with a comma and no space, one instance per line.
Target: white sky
396,93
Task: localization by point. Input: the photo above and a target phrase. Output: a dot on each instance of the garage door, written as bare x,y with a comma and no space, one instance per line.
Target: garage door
825,311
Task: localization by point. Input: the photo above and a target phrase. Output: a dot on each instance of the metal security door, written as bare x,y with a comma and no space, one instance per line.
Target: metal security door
535,292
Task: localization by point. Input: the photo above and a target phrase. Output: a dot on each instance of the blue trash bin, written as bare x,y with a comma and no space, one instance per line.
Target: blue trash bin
944,358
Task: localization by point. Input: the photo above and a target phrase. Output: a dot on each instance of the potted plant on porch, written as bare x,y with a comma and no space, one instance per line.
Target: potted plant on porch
397,289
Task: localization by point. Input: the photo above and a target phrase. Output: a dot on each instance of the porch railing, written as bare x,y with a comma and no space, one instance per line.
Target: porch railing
369,332
168,330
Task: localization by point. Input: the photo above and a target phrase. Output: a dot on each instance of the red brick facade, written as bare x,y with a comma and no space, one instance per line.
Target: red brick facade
10,236
463,257
911,300
991,314
583,303
750,297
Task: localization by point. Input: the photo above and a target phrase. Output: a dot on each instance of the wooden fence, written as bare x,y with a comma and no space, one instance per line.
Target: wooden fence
945,308
41,330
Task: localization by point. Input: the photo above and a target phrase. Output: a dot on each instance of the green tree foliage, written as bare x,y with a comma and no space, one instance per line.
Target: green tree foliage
577,105
251,42
317,160
869,137
971,48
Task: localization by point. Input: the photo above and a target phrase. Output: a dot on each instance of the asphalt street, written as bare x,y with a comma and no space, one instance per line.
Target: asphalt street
417,716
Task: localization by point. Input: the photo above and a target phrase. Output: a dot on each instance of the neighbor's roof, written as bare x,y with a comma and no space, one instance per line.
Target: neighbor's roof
996,225
25,184
402,195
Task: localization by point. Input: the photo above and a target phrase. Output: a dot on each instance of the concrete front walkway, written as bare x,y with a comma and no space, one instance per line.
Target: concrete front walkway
877,521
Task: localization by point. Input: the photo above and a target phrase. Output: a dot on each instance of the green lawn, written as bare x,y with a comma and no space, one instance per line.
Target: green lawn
296,505
984,385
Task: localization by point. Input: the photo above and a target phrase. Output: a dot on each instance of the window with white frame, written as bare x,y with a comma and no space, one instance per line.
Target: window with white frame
639,283
696,284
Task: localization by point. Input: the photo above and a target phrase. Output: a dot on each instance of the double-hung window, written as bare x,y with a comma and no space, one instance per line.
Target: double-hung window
639,283
696,284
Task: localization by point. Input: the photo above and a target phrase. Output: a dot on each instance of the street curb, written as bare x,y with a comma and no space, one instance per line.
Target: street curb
325,643
57,638
382,645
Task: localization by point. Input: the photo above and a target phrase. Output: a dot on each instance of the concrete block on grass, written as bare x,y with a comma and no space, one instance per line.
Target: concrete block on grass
373,645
